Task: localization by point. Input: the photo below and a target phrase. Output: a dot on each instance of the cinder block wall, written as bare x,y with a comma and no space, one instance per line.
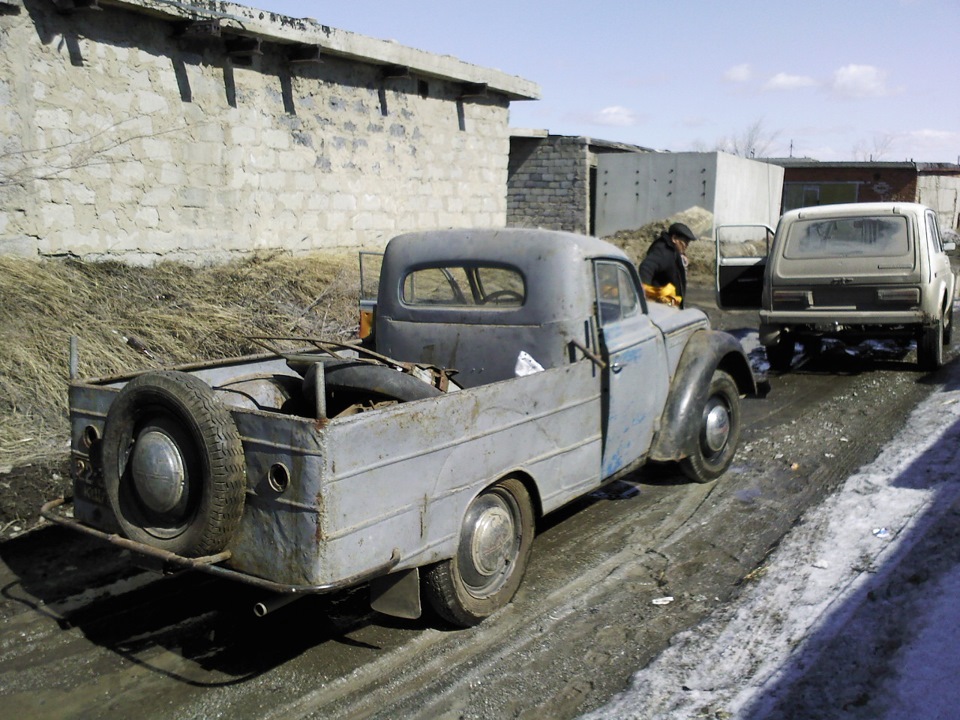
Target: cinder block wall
121,140
941,192
549,183
635,190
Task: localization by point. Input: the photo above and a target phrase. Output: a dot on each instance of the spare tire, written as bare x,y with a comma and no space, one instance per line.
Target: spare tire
173,464
351,381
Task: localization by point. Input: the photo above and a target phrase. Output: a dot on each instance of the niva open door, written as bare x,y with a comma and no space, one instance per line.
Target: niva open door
742,252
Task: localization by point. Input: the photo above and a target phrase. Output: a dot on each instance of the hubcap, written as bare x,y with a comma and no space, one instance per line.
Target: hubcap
716,426
158,471
489,544
491,540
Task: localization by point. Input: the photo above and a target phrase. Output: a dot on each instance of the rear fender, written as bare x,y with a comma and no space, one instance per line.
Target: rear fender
706,352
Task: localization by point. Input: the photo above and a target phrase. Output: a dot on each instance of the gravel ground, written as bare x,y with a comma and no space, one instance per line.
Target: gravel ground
854,615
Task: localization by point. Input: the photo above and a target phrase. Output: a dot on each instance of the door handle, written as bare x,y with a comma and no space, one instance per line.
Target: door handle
616,367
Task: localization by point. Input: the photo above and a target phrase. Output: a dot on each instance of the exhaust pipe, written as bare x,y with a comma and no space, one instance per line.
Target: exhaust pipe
265,607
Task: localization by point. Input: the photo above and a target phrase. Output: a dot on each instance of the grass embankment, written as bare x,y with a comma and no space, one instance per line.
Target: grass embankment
131,318
128,318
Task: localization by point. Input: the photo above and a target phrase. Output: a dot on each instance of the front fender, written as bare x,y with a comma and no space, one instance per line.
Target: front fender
705,352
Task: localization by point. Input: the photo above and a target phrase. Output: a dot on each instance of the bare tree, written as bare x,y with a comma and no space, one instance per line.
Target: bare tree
875,150
754,141
106,146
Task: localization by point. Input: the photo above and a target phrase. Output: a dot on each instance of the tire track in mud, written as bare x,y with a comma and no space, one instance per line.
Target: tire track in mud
605,615
496,639
582,623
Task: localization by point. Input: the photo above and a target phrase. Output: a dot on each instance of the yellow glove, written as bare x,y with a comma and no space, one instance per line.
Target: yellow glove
666,294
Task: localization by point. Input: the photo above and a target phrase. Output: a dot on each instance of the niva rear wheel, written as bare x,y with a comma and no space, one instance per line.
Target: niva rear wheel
930,347
780,354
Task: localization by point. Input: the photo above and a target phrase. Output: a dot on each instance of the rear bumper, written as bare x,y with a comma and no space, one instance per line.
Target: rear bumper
834,318
53,511
849,325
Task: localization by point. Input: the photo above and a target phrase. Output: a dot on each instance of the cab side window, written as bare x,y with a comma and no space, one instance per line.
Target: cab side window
617,295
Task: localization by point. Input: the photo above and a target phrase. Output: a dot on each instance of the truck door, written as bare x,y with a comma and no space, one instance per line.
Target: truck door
742,252
635,378
370,264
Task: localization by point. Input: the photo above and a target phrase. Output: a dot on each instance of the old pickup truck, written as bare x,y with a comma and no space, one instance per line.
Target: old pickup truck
336,464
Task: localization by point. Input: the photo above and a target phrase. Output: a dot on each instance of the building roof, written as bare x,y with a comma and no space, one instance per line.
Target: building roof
243,21
866,165
583,139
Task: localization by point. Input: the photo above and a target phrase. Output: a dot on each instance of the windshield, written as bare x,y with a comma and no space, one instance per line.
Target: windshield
844,237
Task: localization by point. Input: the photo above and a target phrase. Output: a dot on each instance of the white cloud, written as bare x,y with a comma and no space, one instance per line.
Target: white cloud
860,81
936,136
928,145
615,116
783,81
739,73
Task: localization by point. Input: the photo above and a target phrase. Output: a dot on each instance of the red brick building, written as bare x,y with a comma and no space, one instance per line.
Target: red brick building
809,182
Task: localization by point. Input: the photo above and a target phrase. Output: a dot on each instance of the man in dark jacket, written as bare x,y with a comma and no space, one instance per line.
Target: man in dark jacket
666,265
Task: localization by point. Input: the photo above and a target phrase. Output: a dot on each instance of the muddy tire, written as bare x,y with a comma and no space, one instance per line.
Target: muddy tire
173,464
948,325
719,431
495,541
780,354
930,347
813,347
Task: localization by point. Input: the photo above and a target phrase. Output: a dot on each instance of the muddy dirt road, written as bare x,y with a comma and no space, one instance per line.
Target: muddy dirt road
84,633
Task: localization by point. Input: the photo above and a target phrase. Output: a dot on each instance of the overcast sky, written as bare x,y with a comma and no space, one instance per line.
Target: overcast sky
831,80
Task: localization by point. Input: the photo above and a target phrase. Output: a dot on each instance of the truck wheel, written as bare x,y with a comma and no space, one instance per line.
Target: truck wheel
813,346
173,464
495,542
780,354
719,431
948,325
930,347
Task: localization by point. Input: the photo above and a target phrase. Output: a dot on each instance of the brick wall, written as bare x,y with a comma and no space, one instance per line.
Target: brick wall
875,184
549,183
121,140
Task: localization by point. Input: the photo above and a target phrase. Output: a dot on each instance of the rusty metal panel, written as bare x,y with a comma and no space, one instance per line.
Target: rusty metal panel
403,476
480,355
281,534
88,412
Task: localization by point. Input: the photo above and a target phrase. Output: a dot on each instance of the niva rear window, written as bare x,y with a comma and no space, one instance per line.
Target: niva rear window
847,237
458,286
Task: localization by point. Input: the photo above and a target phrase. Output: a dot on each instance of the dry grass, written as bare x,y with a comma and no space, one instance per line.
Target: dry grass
129,318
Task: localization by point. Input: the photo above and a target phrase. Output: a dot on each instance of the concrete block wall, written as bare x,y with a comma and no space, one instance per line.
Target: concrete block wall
635,190
117,139
549,183
942,193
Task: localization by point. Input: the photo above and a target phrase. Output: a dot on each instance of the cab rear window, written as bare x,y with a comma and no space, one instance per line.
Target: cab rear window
459,286
847,237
